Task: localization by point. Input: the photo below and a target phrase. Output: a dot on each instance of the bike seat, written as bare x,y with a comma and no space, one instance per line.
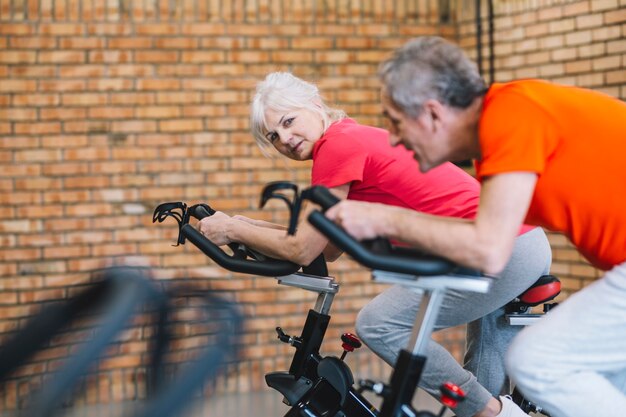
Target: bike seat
545,289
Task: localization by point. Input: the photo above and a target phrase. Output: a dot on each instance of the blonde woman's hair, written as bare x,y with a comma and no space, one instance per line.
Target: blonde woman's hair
283,92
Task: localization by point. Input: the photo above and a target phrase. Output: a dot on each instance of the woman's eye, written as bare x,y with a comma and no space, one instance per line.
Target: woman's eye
273,136
288,122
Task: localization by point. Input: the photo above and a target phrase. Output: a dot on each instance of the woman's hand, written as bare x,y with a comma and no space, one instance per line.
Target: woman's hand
245,219
216,228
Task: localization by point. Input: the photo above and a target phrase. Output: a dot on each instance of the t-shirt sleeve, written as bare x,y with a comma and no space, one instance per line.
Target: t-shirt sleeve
516,134
340,160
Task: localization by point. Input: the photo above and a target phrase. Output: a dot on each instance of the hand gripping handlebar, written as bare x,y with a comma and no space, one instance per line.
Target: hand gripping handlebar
242,260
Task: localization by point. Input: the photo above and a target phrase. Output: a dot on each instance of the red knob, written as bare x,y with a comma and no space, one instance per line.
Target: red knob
451,394
350,342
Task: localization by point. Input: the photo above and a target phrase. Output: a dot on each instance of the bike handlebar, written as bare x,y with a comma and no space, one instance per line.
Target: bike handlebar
236,263
377,253
400,261
242,260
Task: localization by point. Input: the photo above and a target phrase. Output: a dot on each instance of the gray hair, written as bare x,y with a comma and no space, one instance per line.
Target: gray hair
430,68
282,91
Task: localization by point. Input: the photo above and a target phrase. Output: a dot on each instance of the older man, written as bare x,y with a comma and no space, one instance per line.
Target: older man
548,155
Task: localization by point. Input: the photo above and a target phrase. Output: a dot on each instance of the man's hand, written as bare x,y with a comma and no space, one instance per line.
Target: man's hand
360,219
215,228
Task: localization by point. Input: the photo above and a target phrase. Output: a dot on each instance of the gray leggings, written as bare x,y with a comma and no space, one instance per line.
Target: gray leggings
385,326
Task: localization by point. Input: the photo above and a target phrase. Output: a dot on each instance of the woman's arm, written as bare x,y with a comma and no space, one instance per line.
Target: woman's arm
485,243
259,223
302,248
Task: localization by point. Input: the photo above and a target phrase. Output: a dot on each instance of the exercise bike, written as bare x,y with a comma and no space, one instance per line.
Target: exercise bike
310,372
317,385
518,311
119,294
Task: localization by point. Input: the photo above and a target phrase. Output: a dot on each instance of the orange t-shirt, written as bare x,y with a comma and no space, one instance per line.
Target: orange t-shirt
575,140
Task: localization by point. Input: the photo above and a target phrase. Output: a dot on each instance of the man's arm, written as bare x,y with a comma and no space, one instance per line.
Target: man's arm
302,248
485,243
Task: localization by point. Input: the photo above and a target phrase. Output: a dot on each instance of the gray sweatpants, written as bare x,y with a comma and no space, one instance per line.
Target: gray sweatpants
386,322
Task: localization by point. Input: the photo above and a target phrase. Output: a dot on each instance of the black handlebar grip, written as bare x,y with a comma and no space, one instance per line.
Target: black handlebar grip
415,264
268,268
200,211
320,195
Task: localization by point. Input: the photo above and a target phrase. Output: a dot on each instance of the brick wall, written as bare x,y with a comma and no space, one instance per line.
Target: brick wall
109,108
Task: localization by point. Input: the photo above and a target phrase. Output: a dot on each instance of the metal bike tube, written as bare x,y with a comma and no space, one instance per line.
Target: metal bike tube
425,321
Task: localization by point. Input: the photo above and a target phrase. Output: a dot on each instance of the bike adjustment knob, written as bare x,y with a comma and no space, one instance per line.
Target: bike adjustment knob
350,343
378,388
451,394
285,338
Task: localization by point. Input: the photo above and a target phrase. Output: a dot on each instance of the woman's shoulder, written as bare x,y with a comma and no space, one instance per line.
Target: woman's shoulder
349,129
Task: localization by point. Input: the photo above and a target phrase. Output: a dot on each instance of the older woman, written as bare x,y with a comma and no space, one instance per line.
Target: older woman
356,162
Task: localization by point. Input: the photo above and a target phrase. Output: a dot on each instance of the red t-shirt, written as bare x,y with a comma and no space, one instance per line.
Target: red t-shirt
575,140
361,156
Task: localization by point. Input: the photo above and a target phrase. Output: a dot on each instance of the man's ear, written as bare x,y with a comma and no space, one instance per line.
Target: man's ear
434,112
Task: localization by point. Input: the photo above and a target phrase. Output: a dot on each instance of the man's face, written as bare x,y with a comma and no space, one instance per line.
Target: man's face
415,134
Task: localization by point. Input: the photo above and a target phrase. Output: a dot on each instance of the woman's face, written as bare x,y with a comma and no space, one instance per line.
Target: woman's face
293,133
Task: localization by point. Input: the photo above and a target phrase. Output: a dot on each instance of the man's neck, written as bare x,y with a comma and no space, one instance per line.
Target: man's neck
466,131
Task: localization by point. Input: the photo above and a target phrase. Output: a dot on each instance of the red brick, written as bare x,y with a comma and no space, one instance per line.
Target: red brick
18,57
38,155
156,56
86,182
37,183
81,71
66,251
157,112
615,16
134,98
17,29
82,43
62,85
65,168
28,42
134,126
65,197
173,97
110,112
16,114
59,113
61,29
110,84
114,167
130,43
61,57
578,8
29,71
159,84
83,99
21,254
